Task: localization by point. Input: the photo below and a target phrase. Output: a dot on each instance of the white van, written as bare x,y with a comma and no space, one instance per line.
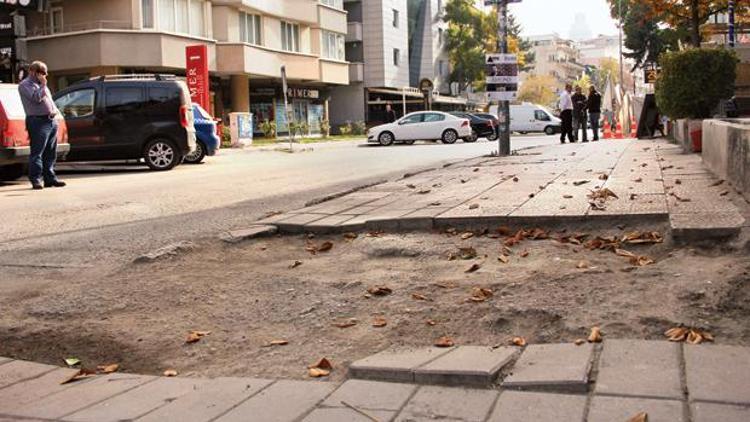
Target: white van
528,117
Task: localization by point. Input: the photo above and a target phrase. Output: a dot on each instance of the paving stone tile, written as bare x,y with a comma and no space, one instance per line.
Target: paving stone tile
371,395
521,406
139,401
4,360
609,409
718,373
347,415
214,398
466,365
82,395
640,368
35,389
284,401
330,221
712,412
237,236
394,364
451,403
563,367
19,370
299,219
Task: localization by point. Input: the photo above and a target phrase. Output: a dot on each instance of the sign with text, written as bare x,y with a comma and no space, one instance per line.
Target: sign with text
197,75
651,73
502,77
312,94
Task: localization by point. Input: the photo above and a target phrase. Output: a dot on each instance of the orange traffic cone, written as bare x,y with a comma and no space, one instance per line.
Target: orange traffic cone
607,129
633,128
618,129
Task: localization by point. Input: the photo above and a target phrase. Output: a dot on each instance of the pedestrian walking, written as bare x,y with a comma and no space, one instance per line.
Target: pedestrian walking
390,114
579,114
594,106
41,125
566,114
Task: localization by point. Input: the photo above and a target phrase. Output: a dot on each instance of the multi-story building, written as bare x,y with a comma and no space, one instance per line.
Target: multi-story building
385,67
248,41
556,57
593,50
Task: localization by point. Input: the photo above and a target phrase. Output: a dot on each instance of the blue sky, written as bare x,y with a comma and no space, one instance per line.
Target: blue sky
545,16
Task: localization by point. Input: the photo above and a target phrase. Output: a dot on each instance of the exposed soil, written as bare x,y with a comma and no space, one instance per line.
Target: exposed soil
247,295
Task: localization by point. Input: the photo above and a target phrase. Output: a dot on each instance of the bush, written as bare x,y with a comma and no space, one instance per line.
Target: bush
268,128
226,137
359,128
346,129
693,82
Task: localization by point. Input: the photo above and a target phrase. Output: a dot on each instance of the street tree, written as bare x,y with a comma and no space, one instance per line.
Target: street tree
538,89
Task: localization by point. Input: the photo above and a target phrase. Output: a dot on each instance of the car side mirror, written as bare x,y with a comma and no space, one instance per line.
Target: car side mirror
401,122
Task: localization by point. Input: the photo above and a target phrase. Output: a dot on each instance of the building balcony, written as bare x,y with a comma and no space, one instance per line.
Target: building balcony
332,19
354,31
293,10
356,72
334,72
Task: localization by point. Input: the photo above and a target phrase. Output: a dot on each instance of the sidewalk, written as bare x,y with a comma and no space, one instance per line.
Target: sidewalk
611,381
652,181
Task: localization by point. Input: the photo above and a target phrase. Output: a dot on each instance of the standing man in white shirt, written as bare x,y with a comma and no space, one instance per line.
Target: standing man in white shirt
566,114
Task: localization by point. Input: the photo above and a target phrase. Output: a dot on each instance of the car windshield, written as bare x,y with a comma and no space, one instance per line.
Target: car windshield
11,101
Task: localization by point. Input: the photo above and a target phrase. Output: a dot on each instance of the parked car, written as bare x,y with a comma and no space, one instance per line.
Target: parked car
421,125
495,122
480,127
124,117
527,117
207,135
14,144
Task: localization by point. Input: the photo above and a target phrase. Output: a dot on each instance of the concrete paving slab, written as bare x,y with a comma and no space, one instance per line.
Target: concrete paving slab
371,395
19,370
394,364
284,401
213,399
35,389
237,236
83,395
609,409
718,373
712,412
299,219
559,367
448,403
640,368
521,406
466,365
347,415
4,360
139,401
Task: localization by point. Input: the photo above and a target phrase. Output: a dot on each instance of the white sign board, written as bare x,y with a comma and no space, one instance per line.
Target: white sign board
502,77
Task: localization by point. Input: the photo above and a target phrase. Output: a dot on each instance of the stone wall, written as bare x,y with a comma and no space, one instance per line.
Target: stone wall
682,134
726,151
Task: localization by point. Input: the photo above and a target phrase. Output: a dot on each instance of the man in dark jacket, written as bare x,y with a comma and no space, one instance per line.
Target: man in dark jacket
594,105
390,114
579,113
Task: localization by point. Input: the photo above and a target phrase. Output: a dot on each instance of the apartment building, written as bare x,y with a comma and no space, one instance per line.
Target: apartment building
557,57
391,45
248,41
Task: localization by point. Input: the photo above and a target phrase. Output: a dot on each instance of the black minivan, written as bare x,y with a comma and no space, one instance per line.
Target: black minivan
123,117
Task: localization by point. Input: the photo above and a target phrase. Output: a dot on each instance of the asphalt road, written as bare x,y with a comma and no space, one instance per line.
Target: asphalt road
114,212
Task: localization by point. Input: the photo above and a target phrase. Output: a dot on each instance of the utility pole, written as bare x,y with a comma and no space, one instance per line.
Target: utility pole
622,73
731,24
503,139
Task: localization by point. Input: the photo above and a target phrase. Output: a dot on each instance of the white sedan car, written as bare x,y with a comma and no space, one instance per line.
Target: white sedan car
421,125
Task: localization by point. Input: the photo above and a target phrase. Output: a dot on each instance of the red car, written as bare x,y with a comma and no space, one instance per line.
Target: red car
14,140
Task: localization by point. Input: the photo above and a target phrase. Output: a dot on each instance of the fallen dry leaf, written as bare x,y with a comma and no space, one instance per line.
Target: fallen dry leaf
503,258
375,234
689,335
716,183
317,372
595,336
467,253
603,176
475,266
641,417
109,368
467,235
195,336
568,196
603,194
430,322
480,294
444,341
679,198
580,182
351,322
518,341
677,181
582,264
379,290
515,179
81,374
623,252
579,341
323,363
473,206
295,264
273,343
410,186
379,322
170,373
418,296
524,254
424,191
325,247
638,180
724,193
350,236
642,237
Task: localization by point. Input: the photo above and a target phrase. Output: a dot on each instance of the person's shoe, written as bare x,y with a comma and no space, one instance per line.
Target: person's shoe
36,186
586,140
54,184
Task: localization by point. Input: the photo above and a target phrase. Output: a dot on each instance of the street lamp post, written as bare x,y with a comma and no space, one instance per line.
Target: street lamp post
503,139
622,73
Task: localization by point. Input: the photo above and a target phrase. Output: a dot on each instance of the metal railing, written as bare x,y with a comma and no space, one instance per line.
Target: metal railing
78,27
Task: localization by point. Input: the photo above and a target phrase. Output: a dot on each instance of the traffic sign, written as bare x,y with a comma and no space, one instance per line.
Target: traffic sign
502,77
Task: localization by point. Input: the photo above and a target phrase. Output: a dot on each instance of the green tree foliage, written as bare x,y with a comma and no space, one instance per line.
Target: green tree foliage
693,81
538,89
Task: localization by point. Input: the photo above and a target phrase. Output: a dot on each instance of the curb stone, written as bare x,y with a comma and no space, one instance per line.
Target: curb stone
237,236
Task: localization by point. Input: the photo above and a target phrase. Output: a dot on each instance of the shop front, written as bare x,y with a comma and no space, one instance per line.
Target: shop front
307,106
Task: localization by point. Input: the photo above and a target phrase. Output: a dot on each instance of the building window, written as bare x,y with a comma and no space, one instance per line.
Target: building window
333,46
197,21
442,68
147,13
250,28
440,37
289,36
56,20
338,4
396,56
182,16
395,18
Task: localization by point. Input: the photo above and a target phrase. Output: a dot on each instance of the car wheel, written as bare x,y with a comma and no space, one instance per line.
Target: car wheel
549,130
11,172
386,139
161,154
409,142
198,155
449,136
492,137
523,133
473,137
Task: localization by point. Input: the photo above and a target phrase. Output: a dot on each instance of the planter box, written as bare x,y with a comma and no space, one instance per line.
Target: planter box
727,151
688,133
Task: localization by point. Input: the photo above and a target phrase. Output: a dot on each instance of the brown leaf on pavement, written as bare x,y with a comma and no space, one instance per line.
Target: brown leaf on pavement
195,336
677,181
350,236
524,254
473,206
595,336
480,294
603,194
170,373
325,247
475,266
568,196
410,186
689,335
424,191
379,322
518,341
430,322
109,368
317,372
583,264
642,261
81,374
679,198
503,258
724,193
476,169
636,237
379,290
716,183
623,252
295,264
279,342
504,230
444,341
375,234
467,235
579,341
419,296
638,180
641,417
467,253
580,182
603,176
323,363
515,179
351,322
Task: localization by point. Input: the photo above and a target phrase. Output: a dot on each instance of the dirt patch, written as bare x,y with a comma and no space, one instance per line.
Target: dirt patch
250,294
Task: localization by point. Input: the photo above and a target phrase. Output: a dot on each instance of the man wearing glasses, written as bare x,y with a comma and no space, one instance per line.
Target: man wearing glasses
40,123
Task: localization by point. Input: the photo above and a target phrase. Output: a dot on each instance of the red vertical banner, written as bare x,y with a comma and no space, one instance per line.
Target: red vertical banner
197,74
